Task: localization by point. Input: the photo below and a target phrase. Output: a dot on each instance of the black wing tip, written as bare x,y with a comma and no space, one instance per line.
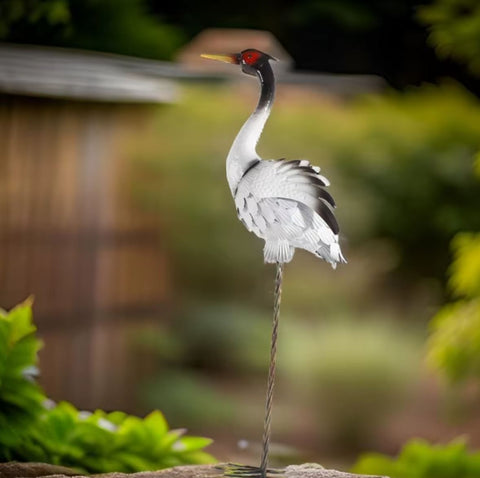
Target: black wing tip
327,215
327,197
325,201
316,181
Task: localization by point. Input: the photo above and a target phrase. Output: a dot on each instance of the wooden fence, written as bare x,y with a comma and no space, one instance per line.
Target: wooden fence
70,234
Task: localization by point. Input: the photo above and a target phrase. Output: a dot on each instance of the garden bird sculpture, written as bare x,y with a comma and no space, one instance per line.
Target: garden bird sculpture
283,202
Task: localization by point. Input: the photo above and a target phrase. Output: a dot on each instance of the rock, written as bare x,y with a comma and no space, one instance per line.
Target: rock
312,470
14,469
33,470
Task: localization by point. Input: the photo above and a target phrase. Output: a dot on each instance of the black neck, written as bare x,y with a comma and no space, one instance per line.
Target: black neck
267,81
243,150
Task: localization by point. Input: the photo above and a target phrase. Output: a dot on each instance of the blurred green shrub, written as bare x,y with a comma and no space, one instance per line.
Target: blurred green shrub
102,442
218,340
412,155
357,371
239,334
454,350
419,459
454,30
454,343
347,370
117,26
173,388
51,13
33,430
21,399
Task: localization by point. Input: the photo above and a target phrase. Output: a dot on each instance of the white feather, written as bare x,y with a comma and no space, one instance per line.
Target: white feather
279,200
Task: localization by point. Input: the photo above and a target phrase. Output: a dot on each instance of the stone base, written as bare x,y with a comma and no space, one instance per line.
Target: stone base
35,470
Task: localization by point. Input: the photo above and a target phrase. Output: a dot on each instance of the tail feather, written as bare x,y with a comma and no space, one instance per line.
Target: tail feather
331,254
278,251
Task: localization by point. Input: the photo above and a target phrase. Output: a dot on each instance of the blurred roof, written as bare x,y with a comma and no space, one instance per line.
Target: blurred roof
85,75
231,40
74,74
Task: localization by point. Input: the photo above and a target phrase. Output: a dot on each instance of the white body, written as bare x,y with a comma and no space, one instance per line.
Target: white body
278,199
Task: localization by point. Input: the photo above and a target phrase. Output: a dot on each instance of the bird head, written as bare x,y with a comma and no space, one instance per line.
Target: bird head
251,60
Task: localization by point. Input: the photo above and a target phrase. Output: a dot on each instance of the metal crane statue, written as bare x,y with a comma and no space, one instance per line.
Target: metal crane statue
283,202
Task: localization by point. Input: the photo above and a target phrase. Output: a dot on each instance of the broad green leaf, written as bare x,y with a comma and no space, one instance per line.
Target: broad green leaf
187,444
21,319
169,439
117,418
156,422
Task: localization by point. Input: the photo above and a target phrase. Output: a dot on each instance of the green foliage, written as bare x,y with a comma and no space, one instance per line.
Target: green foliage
454,346
353,370
117,26
419,459
454,343
361,352
51,13
105,442
411,157
465,269
210,330
454,349
31,430
348,14
207,331
174,384
20,397
455,30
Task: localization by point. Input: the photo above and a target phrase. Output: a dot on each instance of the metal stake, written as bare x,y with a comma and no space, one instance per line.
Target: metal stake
271,370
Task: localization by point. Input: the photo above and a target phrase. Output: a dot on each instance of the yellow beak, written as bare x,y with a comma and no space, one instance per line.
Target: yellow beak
225,58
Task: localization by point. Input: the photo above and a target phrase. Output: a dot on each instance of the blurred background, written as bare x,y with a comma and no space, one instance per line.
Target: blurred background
149,293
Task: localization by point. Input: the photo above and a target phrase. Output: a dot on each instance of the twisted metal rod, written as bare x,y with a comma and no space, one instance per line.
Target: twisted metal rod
271,370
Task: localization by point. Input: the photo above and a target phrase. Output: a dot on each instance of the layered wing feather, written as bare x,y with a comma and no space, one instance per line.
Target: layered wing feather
296,180
285,203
